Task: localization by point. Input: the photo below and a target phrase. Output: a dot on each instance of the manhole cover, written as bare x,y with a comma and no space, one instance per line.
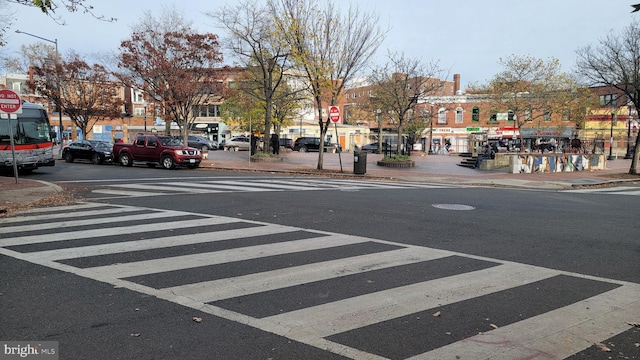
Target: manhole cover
453,207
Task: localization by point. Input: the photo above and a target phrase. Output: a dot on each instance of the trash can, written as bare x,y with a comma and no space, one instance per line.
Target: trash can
360,162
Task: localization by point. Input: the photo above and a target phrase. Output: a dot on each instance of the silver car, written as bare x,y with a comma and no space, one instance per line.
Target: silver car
236,143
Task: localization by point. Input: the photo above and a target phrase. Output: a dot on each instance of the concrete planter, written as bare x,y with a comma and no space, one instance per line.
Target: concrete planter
266,159
397,164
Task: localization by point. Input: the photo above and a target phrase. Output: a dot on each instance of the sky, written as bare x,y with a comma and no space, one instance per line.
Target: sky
466,37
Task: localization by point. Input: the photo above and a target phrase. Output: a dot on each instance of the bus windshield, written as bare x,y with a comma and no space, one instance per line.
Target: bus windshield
31,127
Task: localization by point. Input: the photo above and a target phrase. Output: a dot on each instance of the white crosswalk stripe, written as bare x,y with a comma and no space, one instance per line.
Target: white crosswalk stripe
194,186
84,247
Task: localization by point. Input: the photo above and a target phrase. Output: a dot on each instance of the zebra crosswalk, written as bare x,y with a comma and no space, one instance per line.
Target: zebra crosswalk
210,186
358,297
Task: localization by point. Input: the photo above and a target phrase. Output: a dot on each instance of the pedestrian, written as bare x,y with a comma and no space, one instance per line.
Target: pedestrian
487,153
275,144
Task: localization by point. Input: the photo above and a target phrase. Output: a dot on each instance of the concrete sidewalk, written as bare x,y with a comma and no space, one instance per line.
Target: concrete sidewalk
442,169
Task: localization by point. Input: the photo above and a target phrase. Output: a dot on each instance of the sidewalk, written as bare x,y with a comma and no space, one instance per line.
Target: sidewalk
442,169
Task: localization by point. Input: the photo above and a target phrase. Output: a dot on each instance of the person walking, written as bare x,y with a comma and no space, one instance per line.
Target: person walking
275,144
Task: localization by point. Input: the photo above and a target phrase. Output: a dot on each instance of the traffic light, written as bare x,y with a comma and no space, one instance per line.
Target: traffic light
475,114
510,115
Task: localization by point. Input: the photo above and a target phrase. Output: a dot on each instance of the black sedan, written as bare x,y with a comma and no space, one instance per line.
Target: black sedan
98,152
373,147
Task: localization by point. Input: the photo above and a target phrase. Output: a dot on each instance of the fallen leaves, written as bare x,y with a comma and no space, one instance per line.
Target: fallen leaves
602,347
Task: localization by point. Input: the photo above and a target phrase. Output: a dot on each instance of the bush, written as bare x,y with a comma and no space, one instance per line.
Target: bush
396,158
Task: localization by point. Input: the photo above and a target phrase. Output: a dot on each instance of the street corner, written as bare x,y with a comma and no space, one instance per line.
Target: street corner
22,194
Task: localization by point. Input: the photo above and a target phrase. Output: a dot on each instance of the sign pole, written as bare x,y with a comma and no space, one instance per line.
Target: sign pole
338,148
334,116
13,147
10,106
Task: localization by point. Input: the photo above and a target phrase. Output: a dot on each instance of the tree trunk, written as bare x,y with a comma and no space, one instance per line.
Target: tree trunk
636,154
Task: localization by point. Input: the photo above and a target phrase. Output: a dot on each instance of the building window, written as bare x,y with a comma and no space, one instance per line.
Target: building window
138,111
16,87
138,96
608,99
527,115
442,116
475,114
207,110
459,115
547,115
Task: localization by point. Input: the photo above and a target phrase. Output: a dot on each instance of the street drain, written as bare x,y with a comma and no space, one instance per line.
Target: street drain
453,207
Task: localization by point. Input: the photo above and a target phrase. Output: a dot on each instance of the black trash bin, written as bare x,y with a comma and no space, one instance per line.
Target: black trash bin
360,162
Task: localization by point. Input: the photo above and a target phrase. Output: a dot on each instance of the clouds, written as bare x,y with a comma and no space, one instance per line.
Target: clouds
467,37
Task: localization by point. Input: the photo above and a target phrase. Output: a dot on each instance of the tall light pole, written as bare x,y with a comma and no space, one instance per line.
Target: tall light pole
431,128
54,41
613,118
379,120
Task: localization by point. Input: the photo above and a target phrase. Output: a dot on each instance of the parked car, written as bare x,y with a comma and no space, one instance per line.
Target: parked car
236,143
98,152
286,143
373,147
304,144
153,149
202,143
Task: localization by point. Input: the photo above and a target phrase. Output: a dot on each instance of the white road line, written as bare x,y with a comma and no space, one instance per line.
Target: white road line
276,279
271,184
127,193
92,221
66,211
561,332
340,316
220,257
157,243
602,190
172,187
86,234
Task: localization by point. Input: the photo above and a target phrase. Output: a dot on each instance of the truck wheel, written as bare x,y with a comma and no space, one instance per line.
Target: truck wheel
68,157
302,149
167,162
125,159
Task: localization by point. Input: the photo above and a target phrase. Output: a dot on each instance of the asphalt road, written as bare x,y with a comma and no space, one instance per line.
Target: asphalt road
416,269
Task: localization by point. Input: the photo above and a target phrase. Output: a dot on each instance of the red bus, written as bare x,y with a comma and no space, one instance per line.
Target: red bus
32,139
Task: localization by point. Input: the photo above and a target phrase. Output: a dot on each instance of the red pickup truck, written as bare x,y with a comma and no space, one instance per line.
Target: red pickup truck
153,149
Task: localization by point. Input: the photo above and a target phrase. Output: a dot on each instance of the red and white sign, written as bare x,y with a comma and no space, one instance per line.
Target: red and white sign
334,114
10,102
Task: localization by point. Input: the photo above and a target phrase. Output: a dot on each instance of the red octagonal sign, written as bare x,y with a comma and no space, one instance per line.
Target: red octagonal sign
10,101
334,114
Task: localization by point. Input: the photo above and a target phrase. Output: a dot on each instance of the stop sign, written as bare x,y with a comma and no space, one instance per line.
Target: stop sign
10,102
334,114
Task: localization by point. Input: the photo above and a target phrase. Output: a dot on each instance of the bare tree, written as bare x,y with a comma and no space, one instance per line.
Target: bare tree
52,7
36,54
329,45
400,84
252,39
178,67
615,62
88,91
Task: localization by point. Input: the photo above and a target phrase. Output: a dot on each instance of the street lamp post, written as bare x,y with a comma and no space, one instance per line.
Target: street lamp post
54,41
610,157
379,120
628,154
431,129
144,104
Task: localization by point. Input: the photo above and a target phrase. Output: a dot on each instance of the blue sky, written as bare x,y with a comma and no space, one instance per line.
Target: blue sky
466,36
